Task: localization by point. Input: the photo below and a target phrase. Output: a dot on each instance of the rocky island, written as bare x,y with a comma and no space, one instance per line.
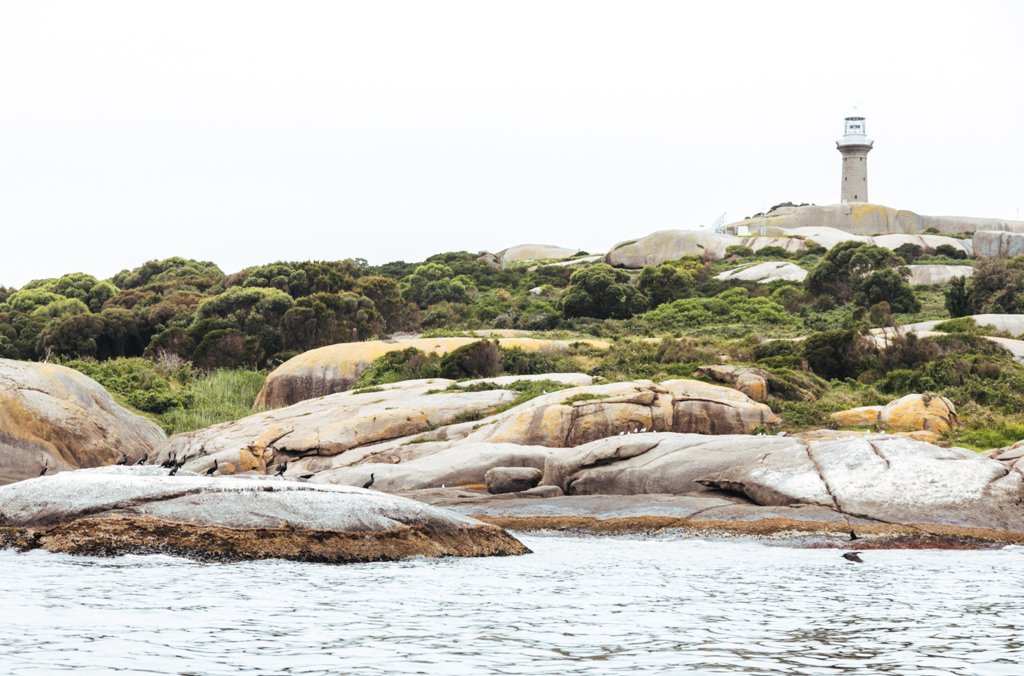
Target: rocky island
849,373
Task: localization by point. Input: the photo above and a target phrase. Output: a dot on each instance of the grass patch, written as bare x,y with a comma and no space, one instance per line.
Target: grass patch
218,397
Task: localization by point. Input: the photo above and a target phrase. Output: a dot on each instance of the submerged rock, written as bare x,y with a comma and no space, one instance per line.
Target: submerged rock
142,510
55,417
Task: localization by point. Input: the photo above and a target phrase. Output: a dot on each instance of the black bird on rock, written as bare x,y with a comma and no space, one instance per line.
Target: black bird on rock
853,557
123,460
281,468
853,536
143,459
212,469
305,477
174,470
169,462
370,482
43,470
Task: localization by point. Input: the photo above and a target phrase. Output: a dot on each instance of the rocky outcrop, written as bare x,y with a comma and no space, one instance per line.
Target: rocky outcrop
927,412
335,368
421,434
887,479
329,425
142,510
668,245
749,380
861,416
501,480
765,273
879,478
873,219
994,243
57,418
930,275
533,252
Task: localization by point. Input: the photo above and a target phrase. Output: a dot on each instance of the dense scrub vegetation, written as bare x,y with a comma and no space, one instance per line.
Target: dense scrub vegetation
182,341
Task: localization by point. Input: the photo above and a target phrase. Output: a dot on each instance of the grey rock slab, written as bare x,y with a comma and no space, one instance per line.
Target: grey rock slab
512,479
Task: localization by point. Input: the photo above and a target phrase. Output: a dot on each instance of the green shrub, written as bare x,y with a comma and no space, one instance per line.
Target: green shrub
476,360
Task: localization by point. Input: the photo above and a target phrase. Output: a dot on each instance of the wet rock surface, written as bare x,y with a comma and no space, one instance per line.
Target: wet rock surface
119,510
55,417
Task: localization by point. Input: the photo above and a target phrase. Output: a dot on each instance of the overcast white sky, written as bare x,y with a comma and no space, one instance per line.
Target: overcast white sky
247,132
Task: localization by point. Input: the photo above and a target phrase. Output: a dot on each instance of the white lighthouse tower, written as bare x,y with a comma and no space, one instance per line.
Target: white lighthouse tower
855,146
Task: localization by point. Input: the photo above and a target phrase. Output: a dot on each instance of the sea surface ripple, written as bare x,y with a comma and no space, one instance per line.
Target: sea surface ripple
577,605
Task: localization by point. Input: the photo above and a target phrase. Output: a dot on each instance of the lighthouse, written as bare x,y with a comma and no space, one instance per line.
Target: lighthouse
855,146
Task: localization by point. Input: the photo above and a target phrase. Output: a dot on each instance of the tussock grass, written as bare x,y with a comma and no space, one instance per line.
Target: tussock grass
216,397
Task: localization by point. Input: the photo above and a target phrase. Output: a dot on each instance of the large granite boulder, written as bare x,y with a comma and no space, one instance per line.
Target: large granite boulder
994,243
749,380
422,434
668,245
928,412
873,219
765,273
881,478
329,425
334,368
57,418
930,275
884,478
142,510
654,462
533,252
502,480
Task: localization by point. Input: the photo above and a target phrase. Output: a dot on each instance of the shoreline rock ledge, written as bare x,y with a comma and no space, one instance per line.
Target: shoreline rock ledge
112,511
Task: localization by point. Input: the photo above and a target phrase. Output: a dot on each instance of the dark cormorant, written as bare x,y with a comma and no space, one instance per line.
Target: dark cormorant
281,467
174,470
43,470
854,557
370,482
143,459
123,460
305,477
853,535
212,469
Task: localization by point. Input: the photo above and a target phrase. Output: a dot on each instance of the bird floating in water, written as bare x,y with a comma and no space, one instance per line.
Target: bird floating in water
370,482
853,557
212,469
281,467
143,459
123,460
45,467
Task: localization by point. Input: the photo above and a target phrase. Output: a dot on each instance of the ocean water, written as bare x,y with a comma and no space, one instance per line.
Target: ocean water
577,605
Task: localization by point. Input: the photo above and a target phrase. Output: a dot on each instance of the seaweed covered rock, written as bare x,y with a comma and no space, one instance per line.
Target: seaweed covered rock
57,418
142,510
